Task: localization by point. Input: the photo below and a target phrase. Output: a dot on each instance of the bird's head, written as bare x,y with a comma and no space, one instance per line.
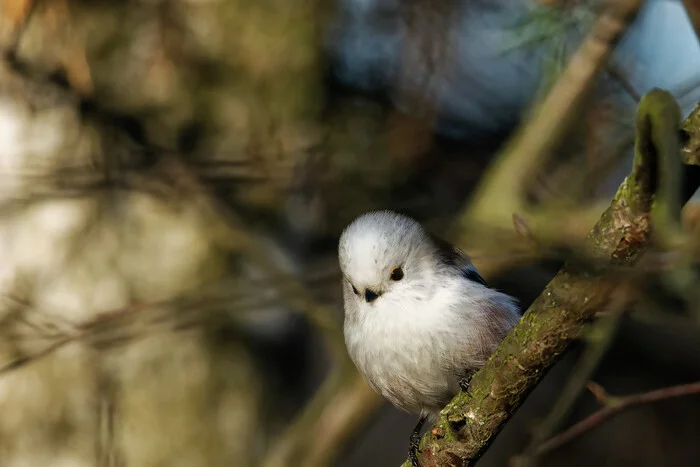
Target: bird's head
383,256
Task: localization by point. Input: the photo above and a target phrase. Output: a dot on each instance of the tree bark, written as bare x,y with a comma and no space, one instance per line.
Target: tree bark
556,319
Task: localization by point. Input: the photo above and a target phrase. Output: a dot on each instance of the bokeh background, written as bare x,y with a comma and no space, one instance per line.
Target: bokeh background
174,175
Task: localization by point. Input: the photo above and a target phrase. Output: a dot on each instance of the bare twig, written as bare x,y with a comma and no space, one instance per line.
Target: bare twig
30,7
693,9
339,408
292,291
549,121
298,441
138,321
107,449
339,420
615,406
598,392
232,233
619,75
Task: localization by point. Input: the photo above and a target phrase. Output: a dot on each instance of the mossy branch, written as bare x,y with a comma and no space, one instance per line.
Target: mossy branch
691,150
556,319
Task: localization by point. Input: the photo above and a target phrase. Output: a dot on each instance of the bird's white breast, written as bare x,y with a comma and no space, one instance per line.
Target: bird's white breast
411,350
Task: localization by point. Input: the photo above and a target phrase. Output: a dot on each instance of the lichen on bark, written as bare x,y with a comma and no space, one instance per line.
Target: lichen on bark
556,318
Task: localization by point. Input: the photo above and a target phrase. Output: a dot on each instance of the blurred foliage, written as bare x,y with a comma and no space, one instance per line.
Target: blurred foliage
173,177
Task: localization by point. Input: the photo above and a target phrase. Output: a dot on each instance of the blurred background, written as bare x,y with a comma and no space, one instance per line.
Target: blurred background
175,174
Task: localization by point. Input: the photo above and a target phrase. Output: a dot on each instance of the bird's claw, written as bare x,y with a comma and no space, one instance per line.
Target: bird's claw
414,450
413,456
464,385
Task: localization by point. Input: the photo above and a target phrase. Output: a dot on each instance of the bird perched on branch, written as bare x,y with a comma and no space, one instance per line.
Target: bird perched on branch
419,319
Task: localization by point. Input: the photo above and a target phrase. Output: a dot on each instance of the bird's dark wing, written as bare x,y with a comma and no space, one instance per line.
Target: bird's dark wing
453,256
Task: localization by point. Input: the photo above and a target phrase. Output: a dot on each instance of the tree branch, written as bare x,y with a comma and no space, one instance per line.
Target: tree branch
599,339
322,430
691,150
344,400
549,122
613,406
556,319
693,9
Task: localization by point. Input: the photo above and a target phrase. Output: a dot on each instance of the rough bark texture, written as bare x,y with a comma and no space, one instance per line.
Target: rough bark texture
691,150
556,319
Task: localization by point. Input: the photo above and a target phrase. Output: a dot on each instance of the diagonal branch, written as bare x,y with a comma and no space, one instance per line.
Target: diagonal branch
556,319
344,400
613,407
549,122
693,9
600,337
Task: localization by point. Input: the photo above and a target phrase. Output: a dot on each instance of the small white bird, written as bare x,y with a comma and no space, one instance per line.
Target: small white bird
419,319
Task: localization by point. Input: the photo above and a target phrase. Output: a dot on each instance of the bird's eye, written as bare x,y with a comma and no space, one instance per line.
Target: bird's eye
396,274
355,290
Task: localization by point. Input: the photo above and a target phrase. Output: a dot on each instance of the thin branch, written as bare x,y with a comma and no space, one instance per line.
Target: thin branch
693,9
142,320
339,408
598,392
620,76
339,420
549,122
613,407
30,9
336,419
233,233
298,439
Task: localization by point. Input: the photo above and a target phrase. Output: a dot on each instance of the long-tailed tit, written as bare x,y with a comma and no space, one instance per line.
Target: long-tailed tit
419,319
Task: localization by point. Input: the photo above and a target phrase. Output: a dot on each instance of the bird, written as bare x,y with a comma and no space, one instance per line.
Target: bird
419,319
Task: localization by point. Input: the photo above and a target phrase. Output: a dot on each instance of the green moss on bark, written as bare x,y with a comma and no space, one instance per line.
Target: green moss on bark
556,319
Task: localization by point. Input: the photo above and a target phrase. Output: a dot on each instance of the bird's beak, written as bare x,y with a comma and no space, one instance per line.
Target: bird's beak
371,296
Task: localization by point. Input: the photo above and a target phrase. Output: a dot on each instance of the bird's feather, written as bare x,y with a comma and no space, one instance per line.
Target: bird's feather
454,256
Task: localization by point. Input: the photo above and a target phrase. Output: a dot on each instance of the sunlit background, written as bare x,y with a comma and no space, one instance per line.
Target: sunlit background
174,176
